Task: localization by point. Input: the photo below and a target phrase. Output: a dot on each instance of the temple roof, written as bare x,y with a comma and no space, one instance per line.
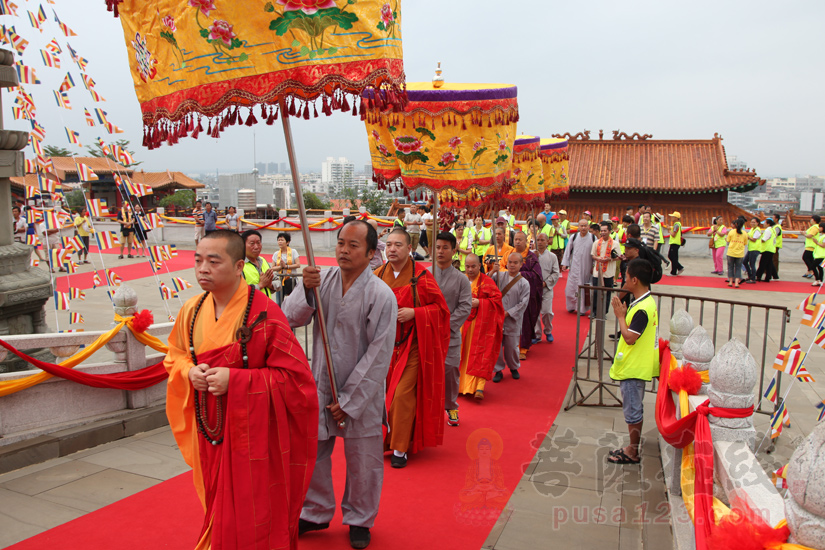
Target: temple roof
166,180
638,164
99,165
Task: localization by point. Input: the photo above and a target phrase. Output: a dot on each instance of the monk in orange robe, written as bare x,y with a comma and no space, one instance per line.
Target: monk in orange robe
415,381
482,332
242,405
503,249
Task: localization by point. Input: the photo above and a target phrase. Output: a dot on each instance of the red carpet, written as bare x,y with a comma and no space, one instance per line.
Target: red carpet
719,282
419,504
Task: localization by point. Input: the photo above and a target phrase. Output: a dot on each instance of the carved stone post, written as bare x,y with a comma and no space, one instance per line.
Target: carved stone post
125,300
733,374
23,290
698,352
805,499
681,323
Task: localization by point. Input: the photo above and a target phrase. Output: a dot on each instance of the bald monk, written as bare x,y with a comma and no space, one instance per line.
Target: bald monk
502,248
242,404
515,295
482,332
531,272
415,382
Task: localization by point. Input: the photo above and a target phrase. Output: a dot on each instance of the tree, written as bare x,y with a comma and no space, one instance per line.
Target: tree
352,196
376,202
75,200
55,151
97,151
182,198
312,202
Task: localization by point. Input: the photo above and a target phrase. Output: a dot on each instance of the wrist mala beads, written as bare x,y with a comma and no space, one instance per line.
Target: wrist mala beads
214,435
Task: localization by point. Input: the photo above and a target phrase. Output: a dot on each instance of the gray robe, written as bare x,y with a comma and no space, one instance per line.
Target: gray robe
361,330
550,276
578,259
457,291
516,301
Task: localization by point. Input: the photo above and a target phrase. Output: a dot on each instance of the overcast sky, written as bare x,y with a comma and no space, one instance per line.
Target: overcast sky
750,70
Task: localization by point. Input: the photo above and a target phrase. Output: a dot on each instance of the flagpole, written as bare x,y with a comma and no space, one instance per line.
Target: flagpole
299,199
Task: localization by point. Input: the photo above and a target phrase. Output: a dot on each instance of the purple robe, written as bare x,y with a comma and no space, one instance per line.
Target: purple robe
531,271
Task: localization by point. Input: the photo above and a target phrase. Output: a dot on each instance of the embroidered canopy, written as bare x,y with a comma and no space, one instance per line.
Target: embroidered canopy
457,139
528,189
556,165
210,57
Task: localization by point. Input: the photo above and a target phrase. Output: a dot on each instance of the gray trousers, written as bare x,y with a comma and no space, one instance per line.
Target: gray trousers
509,353
451,375
546,315
362,493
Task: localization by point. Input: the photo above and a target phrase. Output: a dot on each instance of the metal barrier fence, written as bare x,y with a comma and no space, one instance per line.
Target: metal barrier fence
756,325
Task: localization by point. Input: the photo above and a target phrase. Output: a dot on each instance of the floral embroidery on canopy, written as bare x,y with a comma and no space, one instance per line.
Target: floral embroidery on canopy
556,163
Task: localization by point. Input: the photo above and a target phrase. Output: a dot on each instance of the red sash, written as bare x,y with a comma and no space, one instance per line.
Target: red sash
484,329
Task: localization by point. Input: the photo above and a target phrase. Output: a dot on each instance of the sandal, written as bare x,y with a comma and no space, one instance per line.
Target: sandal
619,457
736,285
729,284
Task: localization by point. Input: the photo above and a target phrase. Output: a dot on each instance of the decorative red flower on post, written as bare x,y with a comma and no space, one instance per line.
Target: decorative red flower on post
309,7
169,23
221,30
455,142
205,6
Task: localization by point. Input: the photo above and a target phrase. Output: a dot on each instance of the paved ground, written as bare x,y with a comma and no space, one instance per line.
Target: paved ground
566,487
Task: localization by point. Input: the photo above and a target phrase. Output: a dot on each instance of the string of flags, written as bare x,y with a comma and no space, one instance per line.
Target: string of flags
779,477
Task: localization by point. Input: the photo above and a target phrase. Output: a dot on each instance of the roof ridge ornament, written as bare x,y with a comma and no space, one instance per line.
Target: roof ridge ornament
618,135
581,136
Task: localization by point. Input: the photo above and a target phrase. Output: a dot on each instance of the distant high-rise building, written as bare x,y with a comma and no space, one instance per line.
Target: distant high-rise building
337,174
262,168
284,168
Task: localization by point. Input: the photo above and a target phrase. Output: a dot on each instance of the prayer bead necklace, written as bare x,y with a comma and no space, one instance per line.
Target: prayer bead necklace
215,435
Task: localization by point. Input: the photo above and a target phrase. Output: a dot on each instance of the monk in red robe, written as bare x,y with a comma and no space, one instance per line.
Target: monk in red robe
242,405
415,381
482,331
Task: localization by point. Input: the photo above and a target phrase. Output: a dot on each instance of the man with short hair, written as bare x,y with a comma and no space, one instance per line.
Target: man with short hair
578,260
531,272
455,288
197,215
360,313
808,255
482,332
84,230
637,355
256,270
777,229
565,225
548,212
241,404
210,219
675,242
20,225
415,381
412,222
544,227
650,232
605,252
557,239
515,297
550,276
501,222
501,247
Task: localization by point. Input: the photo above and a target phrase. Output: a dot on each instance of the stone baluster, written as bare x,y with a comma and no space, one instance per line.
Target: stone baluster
698,352
125,300
805,499
733,375
681,323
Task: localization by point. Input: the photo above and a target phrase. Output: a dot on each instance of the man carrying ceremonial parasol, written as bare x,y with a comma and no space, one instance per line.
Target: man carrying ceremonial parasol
242,405
415,382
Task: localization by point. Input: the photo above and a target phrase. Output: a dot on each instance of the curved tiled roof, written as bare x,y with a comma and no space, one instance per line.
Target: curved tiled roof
166,180
659,166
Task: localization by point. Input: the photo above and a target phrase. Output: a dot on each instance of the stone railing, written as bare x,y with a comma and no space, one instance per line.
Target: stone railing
58,404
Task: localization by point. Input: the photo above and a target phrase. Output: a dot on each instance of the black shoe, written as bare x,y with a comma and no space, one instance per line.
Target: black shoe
497,377
515,374
359,537
304,526
398,461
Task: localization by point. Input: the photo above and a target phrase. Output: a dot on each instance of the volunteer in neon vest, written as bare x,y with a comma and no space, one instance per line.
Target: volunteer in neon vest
778,230
564,223
482,237
256,270
754,250
768,242
465,246
717,233
808,255
659,220
637,355
737,245
675,241
819,254
627,220
558,239
544,226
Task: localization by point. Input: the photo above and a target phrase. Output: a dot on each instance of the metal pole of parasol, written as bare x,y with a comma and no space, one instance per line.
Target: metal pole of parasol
299,198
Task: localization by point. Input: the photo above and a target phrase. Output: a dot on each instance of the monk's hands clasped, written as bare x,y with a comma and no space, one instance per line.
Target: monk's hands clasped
218,380
197,375
312,277
337,413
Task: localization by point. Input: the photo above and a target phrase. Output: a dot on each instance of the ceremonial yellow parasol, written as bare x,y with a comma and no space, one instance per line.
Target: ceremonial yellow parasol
556,163
213,59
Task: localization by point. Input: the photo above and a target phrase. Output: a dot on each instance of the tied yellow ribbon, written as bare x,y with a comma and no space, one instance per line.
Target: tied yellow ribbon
13,386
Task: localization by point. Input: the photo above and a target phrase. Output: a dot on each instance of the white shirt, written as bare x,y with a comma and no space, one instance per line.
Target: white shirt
424,218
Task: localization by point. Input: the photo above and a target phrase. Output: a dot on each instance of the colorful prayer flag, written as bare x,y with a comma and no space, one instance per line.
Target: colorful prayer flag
8,8
72,242
38,131
789,359
96,282
821,407
812,314
87,81
17,42
89,120
803,375
34,21
819,340
779,479
104,147
96,206
112,129
166,293
75,317
34,262
96,96
62,100
63,26
67,84
180,284
77,293
84,173
41,14
60,256
770,393
51,219
780,418
50,59
113,278
32,240
25,74
106,240
54,47
101,115
74,137
61,300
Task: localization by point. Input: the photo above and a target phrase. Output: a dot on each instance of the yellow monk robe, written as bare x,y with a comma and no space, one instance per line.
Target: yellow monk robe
253,483
481,336
503,253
